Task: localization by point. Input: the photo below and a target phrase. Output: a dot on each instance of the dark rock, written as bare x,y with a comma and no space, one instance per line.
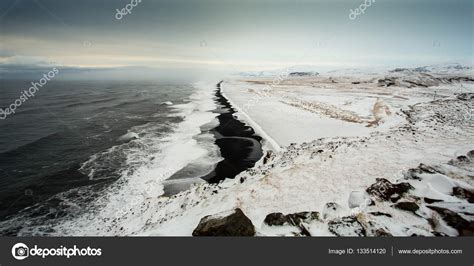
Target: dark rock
380,214
295,219
387,82
267,157
429,201
346,226
303,217
463,194
464,227
235,224
439,234
407,206
381,232
304,230
385,190
470,154
276,218
421,169
462,158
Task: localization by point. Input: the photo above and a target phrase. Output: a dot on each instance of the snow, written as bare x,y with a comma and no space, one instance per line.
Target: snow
297,113
345,137
358,199
302,181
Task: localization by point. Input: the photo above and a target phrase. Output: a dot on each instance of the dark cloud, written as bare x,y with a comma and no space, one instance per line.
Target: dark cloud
390,32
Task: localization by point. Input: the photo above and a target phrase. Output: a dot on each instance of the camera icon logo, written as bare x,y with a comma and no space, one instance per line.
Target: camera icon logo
20,251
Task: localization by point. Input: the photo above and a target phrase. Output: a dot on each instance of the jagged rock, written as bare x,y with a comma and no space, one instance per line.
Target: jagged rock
295,219
235,224
267,157
385,190
407,206
276,218
463,194
304,217
464,227
462,158
346,226
421,169
331,210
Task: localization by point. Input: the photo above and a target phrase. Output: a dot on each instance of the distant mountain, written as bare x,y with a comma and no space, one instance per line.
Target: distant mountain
451,68
428,76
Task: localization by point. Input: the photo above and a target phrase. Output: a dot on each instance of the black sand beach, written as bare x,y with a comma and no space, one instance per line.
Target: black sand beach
238,144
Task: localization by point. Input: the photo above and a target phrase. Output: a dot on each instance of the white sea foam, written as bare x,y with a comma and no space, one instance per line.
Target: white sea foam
150,162
129,136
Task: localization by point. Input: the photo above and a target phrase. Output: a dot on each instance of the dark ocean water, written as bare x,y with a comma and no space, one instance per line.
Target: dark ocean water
76,134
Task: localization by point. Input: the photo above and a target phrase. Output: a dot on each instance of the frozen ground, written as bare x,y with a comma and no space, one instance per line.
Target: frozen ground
339,103
370,157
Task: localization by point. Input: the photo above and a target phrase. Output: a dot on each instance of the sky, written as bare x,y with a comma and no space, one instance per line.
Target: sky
231,36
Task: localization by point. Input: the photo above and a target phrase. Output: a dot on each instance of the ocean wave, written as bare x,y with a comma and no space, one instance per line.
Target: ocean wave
49,137
89,102
145,163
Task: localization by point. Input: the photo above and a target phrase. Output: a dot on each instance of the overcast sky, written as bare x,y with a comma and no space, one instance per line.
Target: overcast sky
234,35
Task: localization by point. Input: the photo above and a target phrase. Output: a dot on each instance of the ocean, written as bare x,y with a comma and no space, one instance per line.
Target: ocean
77,146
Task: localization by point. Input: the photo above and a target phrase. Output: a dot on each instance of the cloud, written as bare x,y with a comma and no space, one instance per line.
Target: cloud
6,53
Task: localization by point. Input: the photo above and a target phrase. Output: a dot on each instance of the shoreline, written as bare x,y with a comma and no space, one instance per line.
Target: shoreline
240,146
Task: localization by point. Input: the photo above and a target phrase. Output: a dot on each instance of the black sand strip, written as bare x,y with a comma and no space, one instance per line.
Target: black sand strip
239,145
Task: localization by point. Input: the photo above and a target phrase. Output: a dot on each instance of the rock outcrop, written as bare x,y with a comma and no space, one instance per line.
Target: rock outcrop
234,224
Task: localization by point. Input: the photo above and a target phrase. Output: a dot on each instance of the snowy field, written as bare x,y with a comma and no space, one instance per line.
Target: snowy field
300,109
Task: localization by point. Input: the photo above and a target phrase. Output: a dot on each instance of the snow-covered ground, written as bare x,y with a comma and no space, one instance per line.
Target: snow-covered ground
341,103
355,140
